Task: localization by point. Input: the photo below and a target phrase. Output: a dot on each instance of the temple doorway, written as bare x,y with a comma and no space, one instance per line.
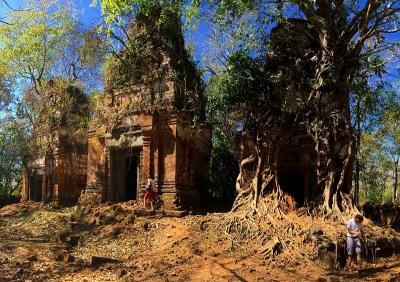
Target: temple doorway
297,170
125,175
35,188
292,182
131,178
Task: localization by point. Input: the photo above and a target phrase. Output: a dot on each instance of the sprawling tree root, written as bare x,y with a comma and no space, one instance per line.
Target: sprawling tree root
260,211
262,214
277,231
282,236
267,224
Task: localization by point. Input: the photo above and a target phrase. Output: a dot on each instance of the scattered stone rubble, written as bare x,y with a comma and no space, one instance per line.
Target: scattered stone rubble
107,242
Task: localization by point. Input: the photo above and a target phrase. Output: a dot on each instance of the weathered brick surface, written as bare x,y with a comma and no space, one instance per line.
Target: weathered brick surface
170,149
58,176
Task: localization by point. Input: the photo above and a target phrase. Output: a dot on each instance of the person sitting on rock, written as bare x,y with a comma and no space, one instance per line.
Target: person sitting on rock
150,194
355,232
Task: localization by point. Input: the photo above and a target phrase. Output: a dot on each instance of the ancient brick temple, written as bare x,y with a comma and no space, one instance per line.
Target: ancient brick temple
151,125
150,122
165,146
55,168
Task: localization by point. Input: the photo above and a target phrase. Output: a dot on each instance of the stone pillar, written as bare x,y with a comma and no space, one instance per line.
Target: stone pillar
147,155
96,165
110,175
58,186
169,163
44,194
148,159
25,184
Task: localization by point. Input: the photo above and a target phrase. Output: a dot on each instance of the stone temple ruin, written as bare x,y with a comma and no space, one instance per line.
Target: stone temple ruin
55,168
150,122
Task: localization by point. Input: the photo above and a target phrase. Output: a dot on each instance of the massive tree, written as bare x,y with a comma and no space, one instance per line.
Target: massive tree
341,30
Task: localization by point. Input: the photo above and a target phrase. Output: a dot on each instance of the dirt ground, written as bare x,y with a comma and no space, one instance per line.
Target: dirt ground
109,243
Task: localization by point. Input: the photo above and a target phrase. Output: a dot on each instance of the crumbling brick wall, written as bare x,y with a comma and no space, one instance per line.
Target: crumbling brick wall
61,174
173,151
384,214
55,166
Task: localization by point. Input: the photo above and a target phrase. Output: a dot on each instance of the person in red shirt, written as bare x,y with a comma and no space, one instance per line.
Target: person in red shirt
150,194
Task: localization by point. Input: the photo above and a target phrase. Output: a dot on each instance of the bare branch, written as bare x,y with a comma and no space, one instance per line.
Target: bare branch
4,22
10,7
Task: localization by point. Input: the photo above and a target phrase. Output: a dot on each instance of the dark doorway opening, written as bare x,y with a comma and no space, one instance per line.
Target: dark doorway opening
35,190
125,175
131,178
297,169
292,182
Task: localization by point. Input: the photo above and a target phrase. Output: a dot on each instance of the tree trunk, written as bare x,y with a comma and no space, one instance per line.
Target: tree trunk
356,156
396,167
357,180
331,125
333,177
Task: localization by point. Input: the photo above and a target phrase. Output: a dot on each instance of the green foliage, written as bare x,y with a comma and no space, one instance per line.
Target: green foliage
6,96
375,169
223,170
220,113
32,44
390,128
13,140
237,95
244,75
113,11
367,98
379,152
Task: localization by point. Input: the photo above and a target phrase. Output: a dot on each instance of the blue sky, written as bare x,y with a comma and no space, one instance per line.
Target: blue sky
198,37
88,14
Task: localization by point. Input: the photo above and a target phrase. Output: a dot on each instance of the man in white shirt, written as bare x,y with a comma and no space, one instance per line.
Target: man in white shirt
354,234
